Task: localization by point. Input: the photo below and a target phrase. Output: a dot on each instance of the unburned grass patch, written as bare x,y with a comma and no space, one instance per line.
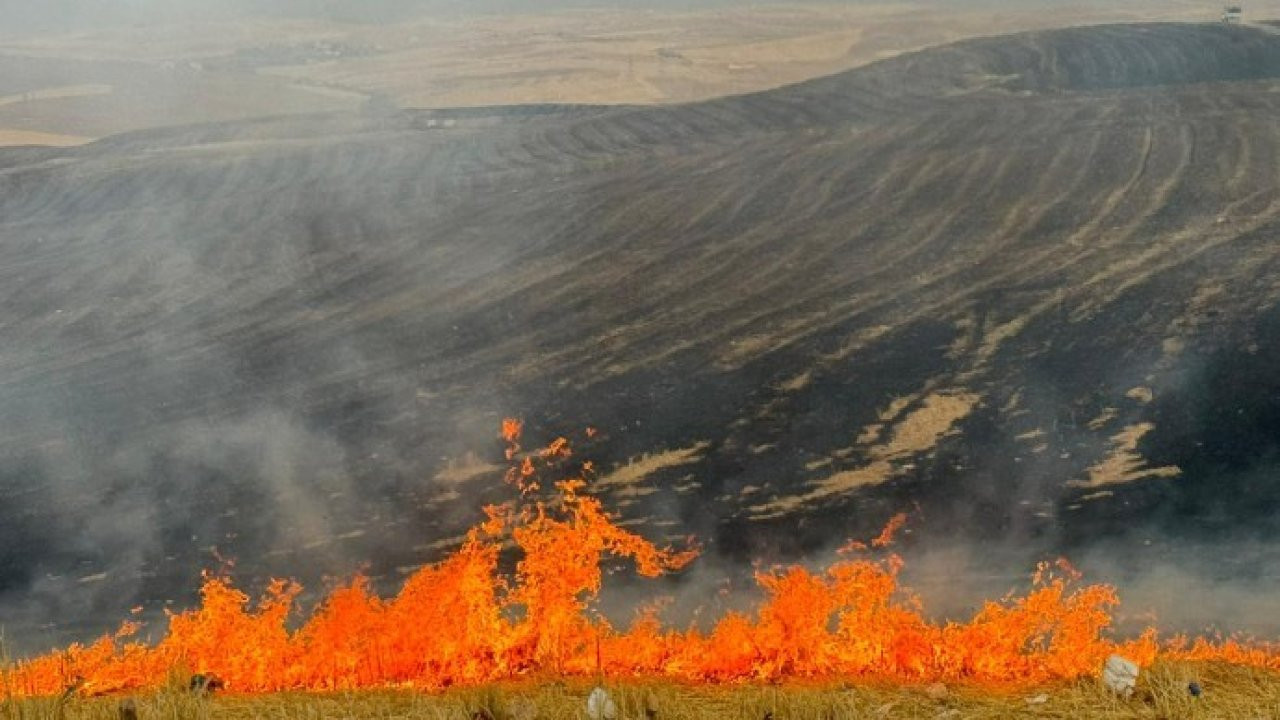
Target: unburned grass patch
1163,693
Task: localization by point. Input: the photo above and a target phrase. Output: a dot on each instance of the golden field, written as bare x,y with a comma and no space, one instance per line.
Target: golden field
160,74
1228,692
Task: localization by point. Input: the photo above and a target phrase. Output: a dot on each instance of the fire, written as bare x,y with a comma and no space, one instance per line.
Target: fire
463,621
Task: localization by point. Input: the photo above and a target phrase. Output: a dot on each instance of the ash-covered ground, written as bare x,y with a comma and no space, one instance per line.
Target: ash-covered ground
1024,288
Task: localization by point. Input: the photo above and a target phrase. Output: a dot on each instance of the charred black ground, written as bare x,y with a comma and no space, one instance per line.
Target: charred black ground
283,338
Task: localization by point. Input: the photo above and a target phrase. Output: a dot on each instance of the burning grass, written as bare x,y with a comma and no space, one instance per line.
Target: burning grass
1229,691
464,623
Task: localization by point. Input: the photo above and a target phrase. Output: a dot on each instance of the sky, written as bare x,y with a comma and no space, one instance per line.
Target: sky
28,15
62,15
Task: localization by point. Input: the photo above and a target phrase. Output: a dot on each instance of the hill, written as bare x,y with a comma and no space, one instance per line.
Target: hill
1024,286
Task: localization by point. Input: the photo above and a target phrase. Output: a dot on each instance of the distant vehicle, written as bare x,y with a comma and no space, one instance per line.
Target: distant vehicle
1232,14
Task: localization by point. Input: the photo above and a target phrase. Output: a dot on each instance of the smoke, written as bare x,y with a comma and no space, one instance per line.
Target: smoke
69,15
124,530
1188,586
150,432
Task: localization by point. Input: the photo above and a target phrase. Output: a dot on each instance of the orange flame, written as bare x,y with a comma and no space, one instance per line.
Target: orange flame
462,621
886,535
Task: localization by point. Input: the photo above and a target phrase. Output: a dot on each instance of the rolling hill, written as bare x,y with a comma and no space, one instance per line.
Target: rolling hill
1025,287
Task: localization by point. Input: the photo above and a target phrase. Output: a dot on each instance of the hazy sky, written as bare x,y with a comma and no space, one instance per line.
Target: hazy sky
33,15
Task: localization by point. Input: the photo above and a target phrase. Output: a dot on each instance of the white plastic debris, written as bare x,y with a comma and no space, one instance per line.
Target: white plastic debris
1120,675
600,706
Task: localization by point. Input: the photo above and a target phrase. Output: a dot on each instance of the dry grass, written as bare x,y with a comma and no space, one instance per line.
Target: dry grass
1125,464
9,138
1228,692
916,432
165,74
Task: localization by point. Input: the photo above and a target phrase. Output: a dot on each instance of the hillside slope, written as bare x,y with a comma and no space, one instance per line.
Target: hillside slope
1025,286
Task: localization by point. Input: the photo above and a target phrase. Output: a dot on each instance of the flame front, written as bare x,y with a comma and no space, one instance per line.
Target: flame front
464,622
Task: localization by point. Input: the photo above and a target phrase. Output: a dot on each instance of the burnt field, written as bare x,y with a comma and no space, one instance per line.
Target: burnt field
1024,287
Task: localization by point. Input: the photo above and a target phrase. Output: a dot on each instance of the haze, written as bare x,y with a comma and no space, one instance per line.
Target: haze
77,71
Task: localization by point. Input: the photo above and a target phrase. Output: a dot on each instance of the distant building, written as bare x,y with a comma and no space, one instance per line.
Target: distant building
1232,14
